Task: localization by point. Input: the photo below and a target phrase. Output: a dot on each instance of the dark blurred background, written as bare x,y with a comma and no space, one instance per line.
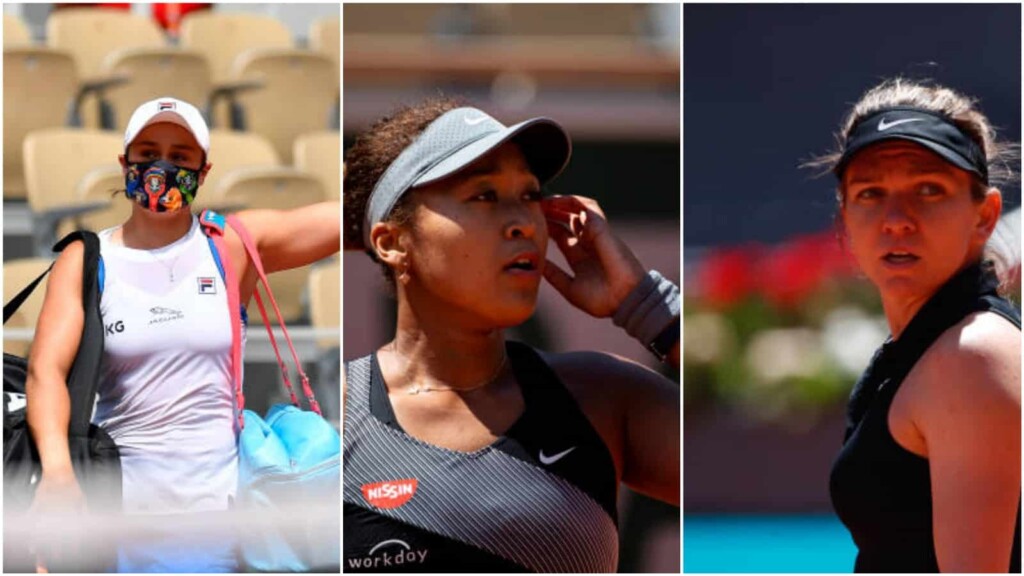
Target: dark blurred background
778,324
610,74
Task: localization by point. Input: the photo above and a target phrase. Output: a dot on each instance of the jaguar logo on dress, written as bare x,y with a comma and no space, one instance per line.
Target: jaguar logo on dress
161,315
391,493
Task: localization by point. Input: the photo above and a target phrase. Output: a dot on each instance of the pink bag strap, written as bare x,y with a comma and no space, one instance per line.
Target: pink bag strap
254,256
213,225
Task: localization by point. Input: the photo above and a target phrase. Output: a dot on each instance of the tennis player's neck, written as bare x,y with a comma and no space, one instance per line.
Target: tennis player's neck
898,314
445,352
145,231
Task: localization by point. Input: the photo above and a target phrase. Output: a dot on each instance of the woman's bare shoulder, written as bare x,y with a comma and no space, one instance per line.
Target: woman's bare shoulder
975,364
600,370
66,276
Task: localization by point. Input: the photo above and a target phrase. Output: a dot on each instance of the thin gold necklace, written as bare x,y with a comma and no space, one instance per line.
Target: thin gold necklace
170,269
174,262
423,388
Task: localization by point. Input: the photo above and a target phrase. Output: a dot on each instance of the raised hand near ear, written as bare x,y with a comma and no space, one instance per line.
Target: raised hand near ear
604,269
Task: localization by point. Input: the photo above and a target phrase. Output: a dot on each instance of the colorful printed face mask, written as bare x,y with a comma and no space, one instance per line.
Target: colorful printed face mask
161,186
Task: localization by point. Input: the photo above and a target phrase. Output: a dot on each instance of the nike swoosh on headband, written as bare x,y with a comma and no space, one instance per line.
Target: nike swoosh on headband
883,126
475,121
927,128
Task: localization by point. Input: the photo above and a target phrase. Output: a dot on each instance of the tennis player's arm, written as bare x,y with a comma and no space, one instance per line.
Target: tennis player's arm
58,333
652,451
969,418
294,238
638,415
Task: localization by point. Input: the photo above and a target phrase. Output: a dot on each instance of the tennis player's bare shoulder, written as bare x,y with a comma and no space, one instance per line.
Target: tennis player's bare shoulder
608,388
592,377
587,373
971,374
982,351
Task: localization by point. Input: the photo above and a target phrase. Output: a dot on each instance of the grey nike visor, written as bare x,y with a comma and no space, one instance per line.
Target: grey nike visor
933,131
455,140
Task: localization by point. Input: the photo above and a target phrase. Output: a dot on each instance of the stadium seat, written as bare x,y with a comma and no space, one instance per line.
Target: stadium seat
278,189
155,72
89,35
39,87
324,306
221,37
103,184
16,33
299,91
325,299
56,160
319,153
229,151
17,275
273,187
325,38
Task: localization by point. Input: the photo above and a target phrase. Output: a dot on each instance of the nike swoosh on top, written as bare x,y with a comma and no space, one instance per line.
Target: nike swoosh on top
883,126
475,121
549,460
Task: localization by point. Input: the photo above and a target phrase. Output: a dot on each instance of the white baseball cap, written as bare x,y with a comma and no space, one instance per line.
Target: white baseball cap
169,110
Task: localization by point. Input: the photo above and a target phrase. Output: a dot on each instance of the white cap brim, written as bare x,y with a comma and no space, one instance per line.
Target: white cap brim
169,110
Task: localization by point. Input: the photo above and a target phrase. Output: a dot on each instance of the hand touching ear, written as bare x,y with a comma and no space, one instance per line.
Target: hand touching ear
604,269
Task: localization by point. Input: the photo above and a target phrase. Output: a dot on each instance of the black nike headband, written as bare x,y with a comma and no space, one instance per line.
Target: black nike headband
933,131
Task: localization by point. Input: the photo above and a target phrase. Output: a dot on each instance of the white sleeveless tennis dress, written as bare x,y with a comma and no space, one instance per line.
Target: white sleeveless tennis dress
165,394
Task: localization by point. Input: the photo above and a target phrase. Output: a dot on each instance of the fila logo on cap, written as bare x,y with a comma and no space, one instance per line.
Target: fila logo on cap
165,106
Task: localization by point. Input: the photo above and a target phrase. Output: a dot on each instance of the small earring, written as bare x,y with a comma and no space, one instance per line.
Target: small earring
403,272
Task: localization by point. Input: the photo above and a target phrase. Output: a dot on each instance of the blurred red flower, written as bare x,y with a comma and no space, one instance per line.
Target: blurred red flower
726,276
794,270
785,274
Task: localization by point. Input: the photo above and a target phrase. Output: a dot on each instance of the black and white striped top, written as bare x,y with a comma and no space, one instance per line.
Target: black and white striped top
541,498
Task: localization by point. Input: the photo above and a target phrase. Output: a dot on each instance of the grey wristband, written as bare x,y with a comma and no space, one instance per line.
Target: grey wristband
651,307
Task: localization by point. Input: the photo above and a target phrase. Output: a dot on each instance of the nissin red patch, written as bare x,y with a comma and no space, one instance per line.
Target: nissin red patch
390,494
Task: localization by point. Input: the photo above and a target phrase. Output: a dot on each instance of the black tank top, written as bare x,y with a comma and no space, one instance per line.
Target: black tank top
541,498
881,491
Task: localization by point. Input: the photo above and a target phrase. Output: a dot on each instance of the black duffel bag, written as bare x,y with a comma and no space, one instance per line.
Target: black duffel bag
94,455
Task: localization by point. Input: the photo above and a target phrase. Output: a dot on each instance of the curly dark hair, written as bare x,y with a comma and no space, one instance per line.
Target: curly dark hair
372,153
